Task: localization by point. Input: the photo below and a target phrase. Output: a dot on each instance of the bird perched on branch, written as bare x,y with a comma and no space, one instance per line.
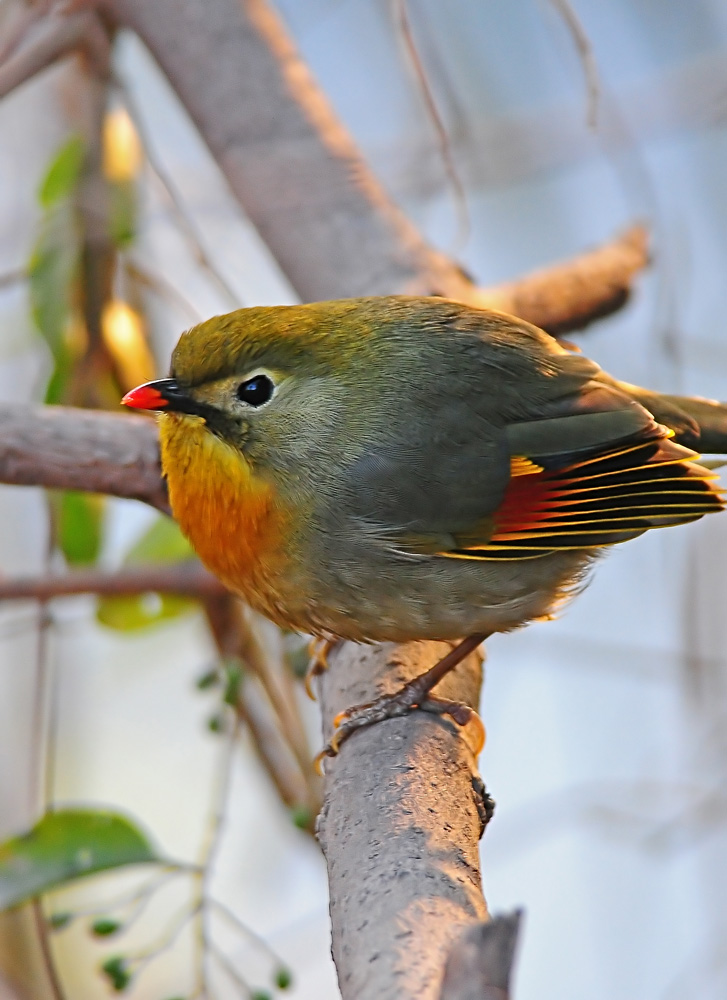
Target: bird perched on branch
410,468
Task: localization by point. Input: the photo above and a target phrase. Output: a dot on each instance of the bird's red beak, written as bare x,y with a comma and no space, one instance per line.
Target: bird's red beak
167,394
149,396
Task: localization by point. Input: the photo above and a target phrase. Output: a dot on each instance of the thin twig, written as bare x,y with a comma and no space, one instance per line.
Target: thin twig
587,57
49,39
17,26
273,733
445,148
41,928
234,921
11,278
570,295
43,747
209,851
181,214
141,894
141,960
158,284
186,579
230,969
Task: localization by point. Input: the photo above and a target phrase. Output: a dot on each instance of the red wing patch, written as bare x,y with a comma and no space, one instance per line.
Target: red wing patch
600,500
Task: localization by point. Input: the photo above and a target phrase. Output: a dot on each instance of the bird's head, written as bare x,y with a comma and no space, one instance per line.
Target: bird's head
267,381
287,385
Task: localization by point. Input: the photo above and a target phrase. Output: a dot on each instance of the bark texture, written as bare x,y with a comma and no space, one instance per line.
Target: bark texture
70,449
399,827
479,966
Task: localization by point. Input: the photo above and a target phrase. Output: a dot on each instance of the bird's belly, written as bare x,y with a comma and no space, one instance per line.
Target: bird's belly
440,598
332,583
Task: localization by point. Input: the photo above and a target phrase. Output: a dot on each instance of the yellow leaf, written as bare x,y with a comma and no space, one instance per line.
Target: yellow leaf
122,153
123,334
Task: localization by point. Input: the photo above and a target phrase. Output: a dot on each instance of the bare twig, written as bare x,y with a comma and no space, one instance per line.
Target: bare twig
158,284
571,295
588,59
303,183
266,704
182,215
209,851
46,949
47,39
287,158
188,579
445,148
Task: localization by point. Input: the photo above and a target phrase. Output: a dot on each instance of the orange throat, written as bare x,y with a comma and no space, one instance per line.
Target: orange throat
228,512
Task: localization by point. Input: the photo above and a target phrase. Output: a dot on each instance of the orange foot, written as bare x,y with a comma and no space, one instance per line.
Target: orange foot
413,695
318,650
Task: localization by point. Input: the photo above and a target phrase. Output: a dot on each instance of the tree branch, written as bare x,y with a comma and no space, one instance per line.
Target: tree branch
399,827
304,184
45,40
188,579
479,965
574,293
70,449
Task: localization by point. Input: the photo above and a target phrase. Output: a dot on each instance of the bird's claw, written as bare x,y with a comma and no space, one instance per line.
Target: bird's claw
394,706
318,650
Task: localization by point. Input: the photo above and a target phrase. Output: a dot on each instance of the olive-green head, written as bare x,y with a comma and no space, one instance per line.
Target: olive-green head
287,383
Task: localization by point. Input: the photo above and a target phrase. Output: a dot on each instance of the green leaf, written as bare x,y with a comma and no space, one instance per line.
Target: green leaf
57,921
63,172
283,978
216,723
233,674
52,270
66,845
123,213
139,611
209,679
162,542
117,970
56,388
302,817
105,926
79,526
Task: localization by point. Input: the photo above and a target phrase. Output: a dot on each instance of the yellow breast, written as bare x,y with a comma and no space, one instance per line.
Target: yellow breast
230,515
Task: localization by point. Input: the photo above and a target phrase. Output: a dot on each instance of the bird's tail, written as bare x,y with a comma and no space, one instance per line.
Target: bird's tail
700,424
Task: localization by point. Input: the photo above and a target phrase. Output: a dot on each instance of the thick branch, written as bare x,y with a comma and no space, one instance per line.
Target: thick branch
48,39
302,181
64,448
569,295
288,160
399,827
479,965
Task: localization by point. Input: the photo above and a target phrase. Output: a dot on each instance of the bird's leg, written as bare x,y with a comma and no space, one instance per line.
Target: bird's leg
318,650
415,694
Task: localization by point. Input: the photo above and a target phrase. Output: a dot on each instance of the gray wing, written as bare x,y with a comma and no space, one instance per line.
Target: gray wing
438,464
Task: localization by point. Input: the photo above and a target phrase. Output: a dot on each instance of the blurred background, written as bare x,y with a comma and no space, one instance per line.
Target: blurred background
606,728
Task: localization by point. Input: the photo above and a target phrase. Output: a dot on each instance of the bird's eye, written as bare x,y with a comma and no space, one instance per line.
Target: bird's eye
256,390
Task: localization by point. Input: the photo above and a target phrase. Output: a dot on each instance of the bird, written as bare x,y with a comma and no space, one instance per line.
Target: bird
398,468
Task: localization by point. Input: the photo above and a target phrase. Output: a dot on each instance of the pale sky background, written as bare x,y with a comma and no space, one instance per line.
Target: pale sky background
606,746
